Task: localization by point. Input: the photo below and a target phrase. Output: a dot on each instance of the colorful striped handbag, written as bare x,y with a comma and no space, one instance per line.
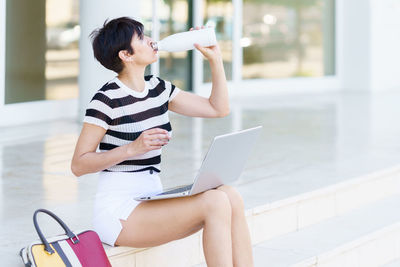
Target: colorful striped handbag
81,249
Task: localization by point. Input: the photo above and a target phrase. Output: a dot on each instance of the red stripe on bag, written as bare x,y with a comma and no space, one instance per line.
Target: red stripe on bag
89,250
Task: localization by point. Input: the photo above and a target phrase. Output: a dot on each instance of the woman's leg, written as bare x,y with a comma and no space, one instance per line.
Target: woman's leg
157,222
241,242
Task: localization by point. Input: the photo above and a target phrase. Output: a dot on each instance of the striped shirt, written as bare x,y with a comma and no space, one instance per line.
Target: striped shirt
126,113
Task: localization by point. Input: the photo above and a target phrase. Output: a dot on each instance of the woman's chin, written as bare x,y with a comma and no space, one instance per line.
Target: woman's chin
155,59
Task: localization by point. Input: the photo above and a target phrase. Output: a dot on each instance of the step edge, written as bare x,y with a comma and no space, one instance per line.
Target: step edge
347,246
264,208
328,189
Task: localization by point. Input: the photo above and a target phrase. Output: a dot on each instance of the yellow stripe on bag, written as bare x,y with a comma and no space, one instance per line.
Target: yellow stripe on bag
43,259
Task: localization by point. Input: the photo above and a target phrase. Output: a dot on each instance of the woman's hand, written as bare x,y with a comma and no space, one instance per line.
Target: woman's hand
211,53
148,140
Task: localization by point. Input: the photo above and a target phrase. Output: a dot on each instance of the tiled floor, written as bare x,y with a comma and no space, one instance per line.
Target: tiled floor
308,141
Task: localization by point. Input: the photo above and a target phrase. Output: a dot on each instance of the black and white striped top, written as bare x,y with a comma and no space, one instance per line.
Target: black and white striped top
126,113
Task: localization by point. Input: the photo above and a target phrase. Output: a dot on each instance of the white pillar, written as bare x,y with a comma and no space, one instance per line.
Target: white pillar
355,44
93,13
197,62
155,35
385,44
370,44
237,50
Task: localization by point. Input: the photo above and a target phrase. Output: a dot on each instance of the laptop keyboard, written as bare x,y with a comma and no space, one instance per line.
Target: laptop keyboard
177,190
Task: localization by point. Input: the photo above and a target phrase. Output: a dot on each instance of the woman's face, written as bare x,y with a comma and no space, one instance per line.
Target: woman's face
143,52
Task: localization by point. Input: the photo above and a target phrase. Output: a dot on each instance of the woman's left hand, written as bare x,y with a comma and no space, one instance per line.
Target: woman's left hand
211,53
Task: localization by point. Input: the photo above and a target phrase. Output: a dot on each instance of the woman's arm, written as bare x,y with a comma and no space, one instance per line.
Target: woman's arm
219,97
87,160
217,105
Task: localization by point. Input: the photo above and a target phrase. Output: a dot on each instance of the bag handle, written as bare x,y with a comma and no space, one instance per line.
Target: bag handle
68,232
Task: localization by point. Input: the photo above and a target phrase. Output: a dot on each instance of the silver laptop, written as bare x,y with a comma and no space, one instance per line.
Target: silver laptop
223,164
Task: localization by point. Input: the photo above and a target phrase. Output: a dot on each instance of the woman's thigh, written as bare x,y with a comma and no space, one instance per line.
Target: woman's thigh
156,222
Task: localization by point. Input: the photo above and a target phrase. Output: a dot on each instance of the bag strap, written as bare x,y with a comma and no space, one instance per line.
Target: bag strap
68,232
24,257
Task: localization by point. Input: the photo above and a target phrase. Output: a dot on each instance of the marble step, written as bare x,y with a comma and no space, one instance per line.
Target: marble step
365,237
349,240
394,263
273,219
295,212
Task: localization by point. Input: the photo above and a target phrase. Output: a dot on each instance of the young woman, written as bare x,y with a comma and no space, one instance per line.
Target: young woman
128,120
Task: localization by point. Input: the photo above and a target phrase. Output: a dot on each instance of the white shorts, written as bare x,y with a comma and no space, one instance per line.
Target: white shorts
115,200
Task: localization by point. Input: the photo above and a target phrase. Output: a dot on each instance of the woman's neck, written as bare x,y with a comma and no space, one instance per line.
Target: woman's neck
133,78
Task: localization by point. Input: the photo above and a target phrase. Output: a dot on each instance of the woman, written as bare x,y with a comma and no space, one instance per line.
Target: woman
128,119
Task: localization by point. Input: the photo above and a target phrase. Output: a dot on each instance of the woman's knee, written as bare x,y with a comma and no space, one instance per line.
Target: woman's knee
216,202
234,196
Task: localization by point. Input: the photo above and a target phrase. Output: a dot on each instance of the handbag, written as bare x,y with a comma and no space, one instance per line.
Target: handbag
70,249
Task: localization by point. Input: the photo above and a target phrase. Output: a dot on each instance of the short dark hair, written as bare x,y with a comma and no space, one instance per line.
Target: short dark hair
114,36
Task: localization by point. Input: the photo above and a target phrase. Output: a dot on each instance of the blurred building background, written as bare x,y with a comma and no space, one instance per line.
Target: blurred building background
321,76
47,69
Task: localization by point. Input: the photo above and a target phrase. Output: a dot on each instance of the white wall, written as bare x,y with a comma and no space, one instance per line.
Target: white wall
93,13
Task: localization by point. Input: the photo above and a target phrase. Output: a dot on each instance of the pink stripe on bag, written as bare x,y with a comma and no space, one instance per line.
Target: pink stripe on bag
89,250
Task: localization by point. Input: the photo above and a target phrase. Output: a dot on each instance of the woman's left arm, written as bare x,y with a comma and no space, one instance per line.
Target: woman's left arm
217,105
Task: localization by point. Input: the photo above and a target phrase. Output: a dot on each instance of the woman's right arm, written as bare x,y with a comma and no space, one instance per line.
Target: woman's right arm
86,160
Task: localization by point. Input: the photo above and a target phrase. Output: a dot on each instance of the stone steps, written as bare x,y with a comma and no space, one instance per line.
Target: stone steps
349,240
273,219
394,263
366,237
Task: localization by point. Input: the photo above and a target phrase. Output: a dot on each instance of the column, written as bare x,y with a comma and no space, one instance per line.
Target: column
369,44
354,44
385,45
93,13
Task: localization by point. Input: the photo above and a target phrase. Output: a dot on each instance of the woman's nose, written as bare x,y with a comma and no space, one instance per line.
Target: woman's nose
149,40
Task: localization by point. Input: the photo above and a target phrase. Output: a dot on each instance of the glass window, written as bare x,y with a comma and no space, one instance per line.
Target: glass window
42,51
286,38
218,14
174,17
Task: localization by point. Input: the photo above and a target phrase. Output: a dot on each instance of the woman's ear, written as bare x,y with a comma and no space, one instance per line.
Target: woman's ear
125,56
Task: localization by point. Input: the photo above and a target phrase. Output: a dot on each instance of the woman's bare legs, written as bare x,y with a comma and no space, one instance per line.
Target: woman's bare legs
157,222
241,243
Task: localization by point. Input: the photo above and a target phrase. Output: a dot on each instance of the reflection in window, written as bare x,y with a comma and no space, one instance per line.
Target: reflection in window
174,17
285,38
41,50
218,14
62,55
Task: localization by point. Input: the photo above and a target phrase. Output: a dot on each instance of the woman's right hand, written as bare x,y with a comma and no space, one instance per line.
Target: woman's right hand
148,140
